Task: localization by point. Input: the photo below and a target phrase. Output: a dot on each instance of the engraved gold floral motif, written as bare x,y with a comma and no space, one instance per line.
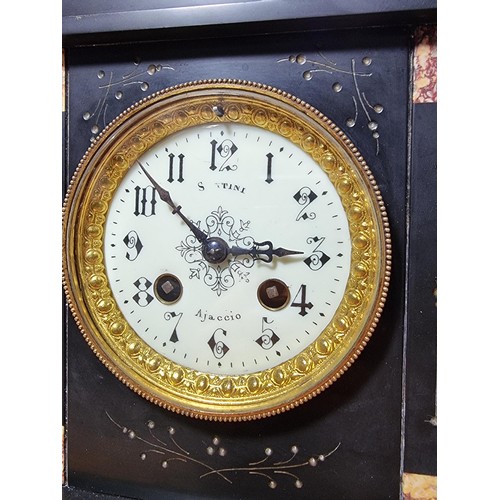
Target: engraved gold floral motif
184,390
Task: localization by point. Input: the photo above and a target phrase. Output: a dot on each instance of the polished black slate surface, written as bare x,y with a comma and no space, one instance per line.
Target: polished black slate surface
105,20
421,404
361,413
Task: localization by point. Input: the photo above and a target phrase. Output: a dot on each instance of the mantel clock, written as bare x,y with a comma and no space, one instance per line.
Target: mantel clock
226,250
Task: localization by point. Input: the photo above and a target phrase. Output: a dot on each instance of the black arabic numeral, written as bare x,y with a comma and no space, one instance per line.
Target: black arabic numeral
318,258
145,201
217,346
169,316
171,166
225,150
305,196
268,338
134,244
142,297
302,304
213,166
270,157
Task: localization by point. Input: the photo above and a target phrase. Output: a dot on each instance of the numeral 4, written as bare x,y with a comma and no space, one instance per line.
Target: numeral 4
302,301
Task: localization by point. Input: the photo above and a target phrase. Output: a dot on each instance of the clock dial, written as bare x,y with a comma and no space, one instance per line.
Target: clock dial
226,250
244,185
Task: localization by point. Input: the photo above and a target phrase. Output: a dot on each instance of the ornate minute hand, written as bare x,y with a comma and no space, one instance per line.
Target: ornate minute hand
263,251
215,250
165,196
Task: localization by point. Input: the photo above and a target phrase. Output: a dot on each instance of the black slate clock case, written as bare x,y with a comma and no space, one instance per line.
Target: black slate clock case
354,440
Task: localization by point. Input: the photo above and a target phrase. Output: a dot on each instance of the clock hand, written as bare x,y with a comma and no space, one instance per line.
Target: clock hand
215,250
264,251
165,196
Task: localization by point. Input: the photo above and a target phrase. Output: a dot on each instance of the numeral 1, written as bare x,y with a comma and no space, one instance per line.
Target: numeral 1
270,157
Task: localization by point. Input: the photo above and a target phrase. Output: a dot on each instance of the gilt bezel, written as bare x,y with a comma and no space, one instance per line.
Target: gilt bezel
155,377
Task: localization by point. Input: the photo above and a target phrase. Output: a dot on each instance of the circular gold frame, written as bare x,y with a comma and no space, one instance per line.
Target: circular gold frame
126,355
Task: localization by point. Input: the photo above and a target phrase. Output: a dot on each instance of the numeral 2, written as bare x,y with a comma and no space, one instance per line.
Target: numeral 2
305,196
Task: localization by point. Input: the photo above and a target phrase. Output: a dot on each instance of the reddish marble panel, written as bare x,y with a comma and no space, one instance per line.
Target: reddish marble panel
419,487
425,65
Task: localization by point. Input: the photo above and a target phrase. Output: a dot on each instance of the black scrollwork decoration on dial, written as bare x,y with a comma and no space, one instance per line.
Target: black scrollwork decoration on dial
226,250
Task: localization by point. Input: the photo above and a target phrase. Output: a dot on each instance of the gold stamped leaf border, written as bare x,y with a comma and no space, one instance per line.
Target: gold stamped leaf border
158,379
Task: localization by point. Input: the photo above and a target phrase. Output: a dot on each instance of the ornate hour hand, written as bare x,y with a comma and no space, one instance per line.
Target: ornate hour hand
215,250
165,196
264,251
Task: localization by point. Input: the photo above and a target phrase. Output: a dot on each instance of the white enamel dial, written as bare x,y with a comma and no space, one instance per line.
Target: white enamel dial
245,185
